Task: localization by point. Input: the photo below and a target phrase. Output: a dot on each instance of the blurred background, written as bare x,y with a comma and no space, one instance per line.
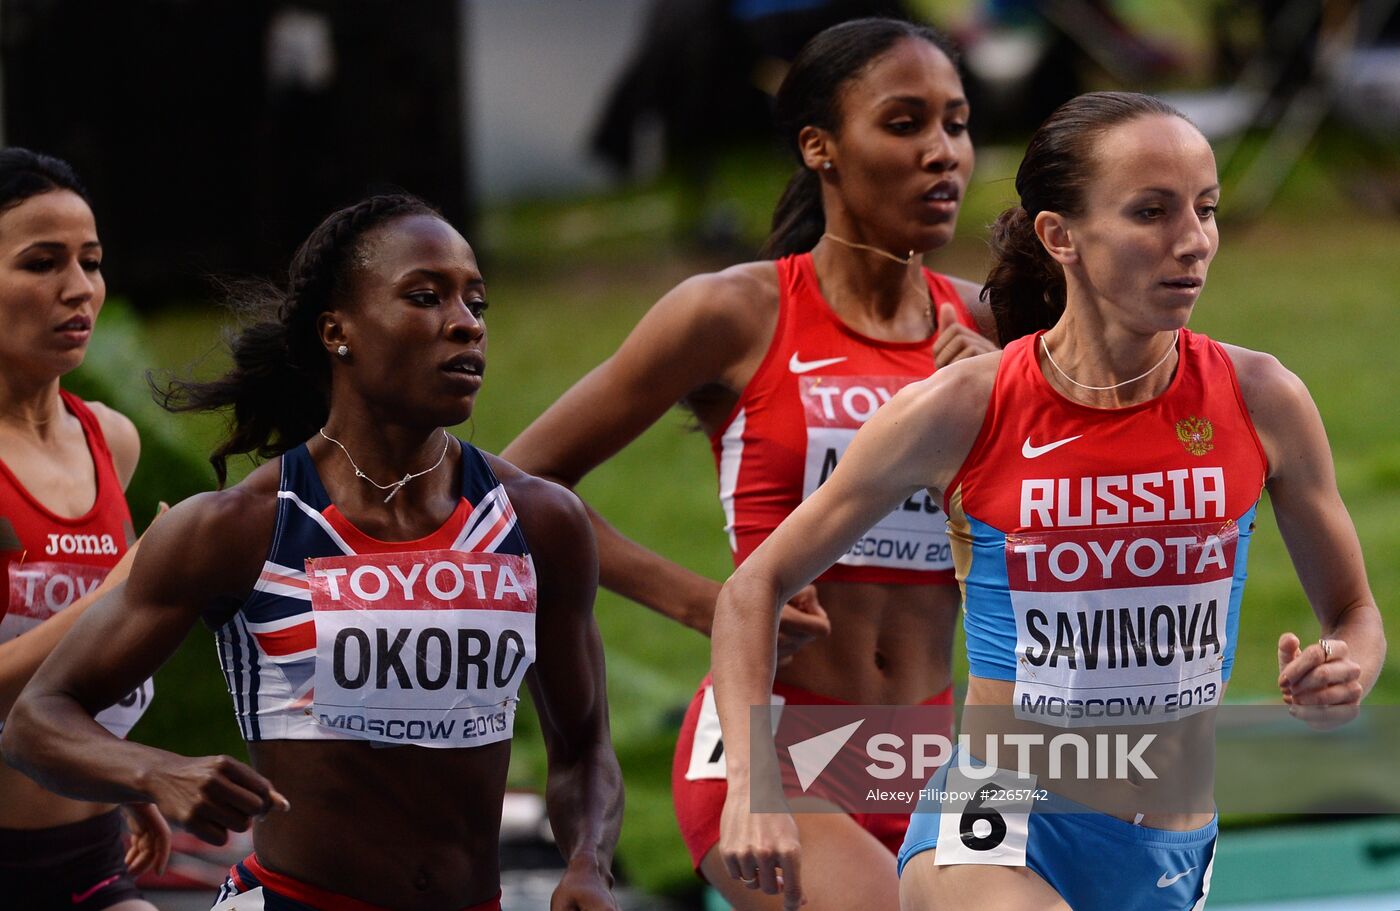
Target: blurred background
595,152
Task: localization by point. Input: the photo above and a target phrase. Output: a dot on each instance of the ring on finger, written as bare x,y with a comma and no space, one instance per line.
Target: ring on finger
748,882
1326,649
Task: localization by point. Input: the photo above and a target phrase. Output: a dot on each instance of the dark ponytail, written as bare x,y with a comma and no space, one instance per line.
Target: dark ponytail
1025,286
810,96
24,174
279,385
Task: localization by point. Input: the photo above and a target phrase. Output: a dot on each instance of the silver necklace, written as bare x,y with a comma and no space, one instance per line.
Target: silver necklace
396,486
1149,371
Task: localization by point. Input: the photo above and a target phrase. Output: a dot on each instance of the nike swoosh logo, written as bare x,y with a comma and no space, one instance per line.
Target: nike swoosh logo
797,365
80,897
1163,881
1035,452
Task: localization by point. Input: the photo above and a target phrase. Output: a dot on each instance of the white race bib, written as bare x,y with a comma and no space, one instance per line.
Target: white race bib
915,535
707,750
40,589
984,819
1120,625
426,647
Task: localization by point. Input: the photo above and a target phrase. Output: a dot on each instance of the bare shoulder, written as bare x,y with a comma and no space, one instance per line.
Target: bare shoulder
739,298
961,389
940,418
557,530
539,503
123,439
1270,389
217,540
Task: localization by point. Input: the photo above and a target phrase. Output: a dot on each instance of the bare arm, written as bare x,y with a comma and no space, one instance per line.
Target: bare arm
917,441
568,682
1321,541
710,331
50,734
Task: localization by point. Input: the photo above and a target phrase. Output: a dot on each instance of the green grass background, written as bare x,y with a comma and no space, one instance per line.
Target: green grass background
1316,284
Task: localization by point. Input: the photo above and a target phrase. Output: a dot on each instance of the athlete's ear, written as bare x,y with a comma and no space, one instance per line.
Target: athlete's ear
332,331
816,146
1054,233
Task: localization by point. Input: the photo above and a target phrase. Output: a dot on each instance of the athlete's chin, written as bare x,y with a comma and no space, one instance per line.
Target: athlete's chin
934,236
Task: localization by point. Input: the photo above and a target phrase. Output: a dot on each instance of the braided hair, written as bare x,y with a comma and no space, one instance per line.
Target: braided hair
279,385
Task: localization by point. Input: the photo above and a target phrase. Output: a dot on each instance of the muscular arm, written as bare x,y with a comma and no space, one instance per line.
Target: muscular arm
917,441
1320,537
568,682
204,551
711,330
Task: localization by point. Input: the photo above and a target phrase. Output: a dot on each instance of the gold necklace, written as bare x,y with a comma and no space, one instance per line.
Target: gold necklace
902,260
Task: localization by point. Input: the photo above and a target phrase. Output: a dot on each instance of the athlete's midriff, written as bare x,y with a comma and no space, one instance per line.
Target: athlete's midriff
25,805
400,827
1175,753
882,647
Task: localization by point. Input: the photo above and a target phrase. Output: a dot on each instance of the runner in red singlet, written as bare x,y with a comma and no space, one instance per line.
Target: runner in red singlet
64,525
1111,433
380,591
781,361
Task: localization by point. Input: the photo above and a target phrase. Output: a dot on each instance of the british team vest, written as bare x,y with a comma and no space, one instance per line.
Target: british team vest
1102,551
52,561
347,637
818,383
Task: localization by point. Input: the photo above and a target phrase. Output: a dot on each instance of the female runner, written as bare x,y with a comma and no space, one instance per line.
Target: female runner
64,525
378,584
781,360
1117,435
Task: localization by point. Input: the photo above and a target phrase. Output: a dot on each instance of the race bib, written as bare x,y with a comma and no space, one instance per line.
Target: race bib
985,816
707,750
40,589
1120,625
427,647
914,536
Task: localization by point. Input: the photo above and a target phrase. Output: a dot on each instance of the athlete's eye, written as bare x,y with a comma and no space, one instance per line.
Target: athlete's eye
92,265
1207,211
477,307
902,126
956,128
39,265
424,298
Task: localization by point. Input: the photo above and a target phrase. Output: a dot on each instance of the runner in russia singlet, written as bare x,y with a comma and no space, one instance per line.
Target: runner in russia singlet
52,561
818,383
1102,551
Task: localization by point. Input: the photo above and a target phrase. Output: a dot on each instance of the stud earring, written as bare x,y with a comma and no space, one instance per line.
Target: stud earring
826,166
343,351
